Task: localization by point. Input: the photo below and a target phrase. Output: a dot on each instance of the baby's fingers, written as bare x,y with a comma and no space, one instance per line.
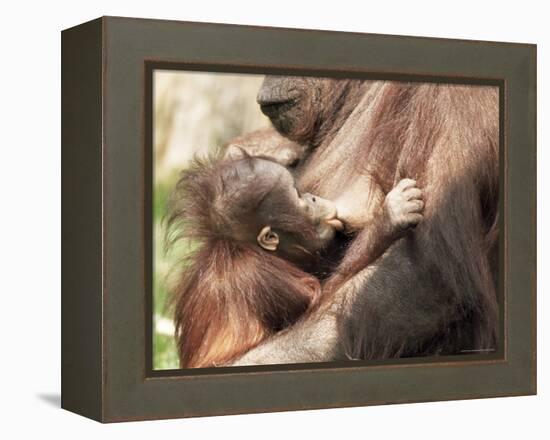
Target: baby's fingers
415,205
412,193
414,218
405,184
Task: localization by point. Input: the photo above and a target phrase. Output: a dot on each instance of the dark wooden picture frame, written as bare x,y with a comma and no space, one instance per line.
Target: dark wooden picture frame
107,67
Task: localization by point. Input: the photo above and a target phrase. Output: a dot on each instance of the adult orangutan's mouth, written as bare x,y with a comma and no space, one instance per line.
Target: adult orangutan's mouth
274,108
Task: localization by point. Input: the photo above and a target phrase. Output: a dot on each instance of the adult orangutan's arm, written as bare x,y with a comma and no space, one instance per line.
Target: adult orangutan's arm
267,143
315,338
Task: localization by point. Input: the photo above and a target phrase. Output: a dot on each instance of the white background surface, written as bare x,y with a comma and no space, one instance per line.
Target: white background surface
30,219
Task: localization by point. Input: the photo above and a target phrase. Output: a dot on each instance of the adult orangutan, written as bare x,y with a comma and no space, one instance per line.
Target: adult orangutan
433,292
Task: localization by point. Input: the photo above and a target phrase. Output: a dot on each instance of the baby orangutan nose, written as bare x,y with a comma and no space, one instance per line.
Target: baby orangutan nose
323,211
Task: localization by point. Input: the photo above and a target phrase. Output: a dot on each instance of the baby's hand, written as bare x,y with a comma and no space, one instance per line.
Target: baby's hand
403,205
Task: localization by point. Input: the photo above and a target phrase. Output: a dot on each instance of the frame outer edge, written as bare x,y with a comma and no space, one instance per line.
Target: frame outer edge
533,49
81,214
129,396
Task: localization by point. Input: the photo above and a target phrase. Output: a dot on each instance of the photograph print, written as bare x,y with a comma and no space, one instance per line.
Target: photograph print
310,219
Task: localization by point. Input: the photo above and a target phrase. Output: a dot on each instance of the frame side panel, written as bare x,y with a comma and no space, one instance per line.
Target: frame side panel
81,213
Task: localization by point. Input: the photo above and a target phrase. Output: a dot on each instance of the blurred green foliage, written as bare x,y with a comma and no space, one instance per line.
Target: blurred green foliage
164,349
165,354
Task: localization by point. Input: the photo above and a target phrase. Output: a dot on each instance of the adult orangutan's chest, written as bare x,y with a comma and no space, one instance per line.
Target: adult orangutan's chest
337,167
357,196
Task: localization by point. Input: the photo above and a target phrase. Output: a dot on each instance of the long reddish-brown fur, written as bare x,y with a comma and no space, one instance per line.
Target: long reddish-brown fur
230,294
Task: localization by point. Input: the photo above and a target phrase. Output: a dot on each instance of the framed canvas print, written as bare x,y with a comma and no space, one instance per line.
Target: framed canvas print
261,219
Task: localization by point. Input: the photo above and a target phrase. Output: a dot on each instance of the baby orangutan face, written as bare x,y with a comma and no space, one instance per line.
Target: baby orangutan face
317,217
283,221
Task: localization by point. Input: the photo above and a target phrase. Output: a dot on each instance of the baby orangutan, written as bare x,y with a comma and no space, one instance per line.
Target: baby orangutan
254,238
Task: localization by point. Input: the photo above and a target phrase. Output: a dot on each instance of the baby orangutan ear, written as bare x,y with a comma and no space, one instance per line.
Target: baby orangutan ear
268,239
